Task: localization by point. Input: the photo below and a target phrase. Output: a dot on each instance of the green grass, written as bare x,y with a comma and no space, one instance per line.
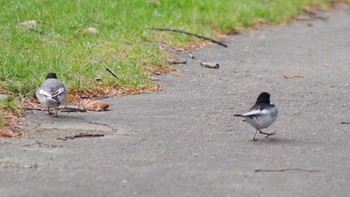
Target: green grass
8,108
124,43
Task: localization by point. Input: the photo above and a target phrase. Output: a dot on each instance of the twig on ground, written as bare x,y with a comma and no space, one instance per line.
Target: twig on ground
33,108
179,62
344,122
292,76
192,34
110,71
189,54
80,135
72,109
85,97
286,169
65,109
156,73
96,98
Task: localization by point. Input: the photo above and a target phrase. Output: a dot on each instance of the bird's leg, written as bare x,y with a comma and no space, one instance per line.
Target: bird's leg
254,139
267,134
56,112
48,109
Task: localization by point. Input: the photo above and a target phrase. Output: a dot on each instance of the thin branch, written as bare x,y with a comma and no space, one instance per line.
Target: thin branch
192,34
73,109
286,169
178,62
110,71
81,135
344,122
33,108
189,54
65,109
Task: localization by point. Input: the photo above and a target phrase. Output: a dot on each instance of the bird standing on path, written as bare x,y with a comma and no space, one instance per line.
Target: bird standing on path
261,115
52,93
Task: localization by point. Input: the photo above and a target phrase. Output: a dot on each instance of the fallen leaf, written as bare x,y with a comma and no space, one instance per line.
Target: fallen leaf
8,133
95,105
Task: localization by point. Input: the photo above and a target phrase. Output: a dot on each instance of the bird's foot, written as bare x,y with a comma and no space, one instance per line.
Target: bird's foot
268,134
56,113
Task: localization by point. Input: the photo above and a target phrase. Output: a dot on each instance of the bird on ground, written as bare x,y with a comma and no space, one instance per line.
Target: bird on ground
52,93
261,115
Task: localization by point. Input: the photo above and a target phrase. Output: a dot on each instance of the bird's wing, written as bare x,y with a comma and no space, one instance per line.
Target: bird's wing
45,93
50,95
58,92
252,113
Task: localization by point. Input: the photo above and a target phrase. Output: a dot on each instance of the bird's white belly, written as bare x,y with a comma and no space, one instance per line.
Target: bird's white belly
261,122
47,102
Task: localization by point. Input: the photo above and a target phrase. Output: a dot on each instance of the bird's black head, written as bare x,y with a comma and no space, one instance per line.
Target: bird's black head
263,98
51,76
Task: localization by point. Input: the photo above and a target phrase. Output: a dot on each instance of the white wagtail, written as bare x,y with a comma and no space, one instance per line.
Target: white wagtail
52,93
261,115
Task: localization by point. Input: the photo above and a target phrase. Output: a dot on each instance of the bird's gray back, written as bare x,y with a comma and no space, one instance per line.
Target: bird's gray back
52,85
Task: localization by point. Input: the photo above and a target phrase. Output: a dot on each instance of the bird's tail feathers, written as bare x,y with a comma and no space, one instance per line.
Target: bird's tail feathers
52,99
58,92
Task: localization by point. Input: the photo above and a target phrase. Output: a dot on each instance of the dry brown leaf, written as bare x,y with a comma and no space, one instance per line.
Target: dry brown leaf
95,105
8,133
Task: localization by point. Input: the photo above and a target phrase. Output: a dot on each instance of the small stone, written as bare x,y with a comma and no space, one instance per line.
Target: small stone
31,166
89,30
31,23
92,30
210,65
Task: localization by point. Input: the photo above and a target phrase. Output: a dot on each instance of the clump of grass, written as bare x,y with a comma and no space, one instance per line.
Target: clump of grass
8,111
40,36
2,119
